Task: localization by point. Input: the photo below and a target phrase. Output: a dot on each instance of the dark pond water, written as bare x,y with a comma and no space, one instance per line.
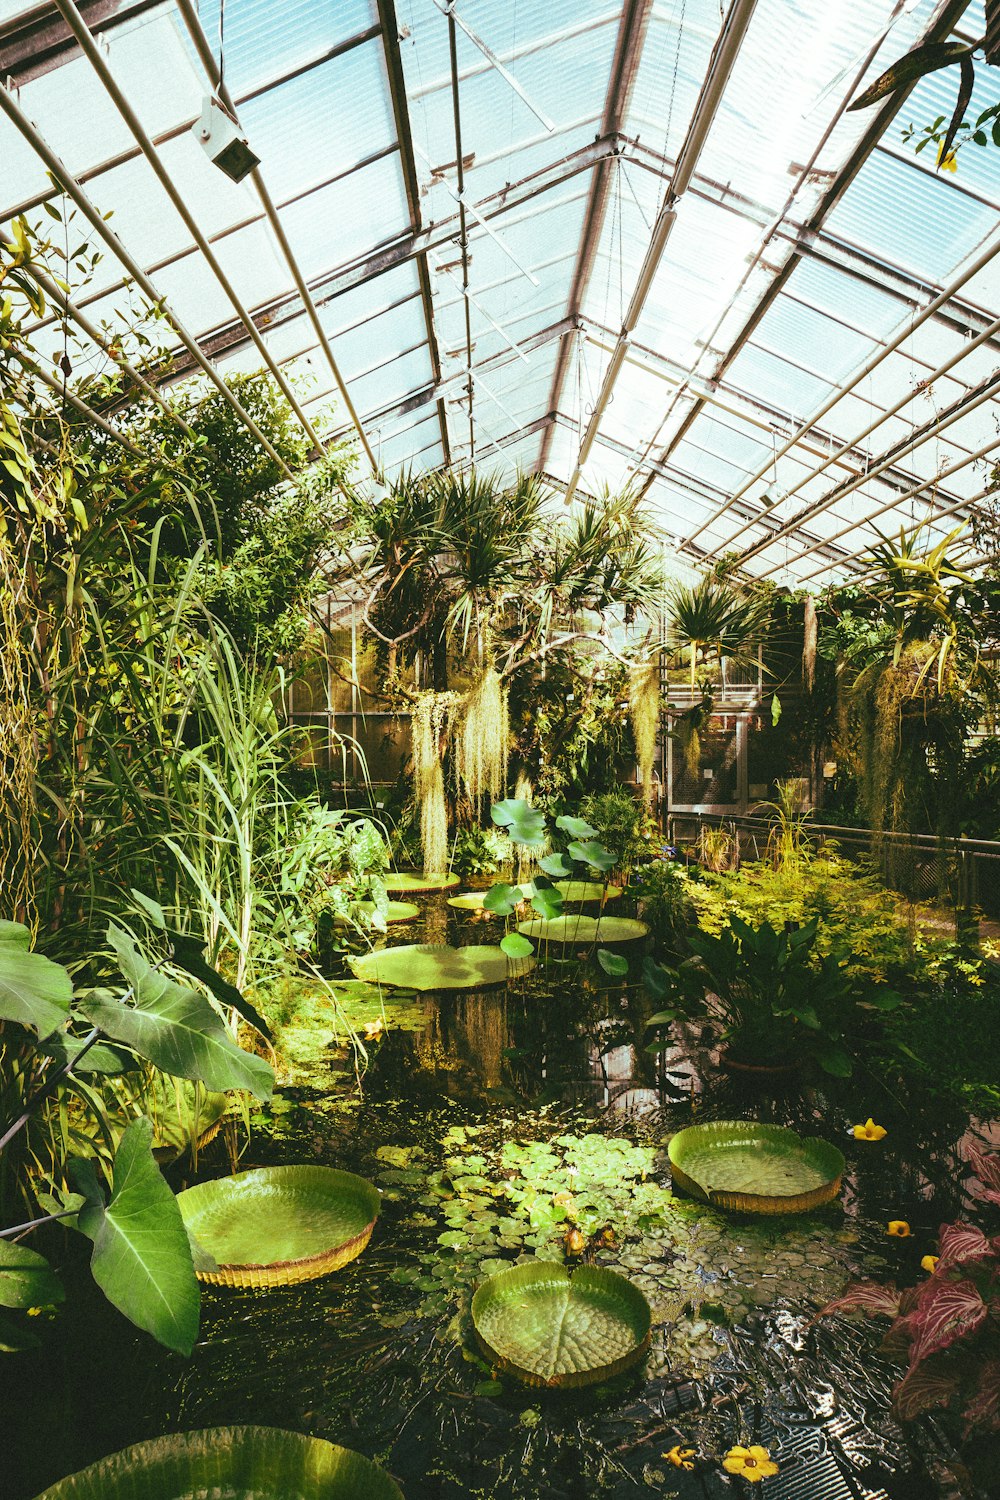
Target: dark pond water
477,1111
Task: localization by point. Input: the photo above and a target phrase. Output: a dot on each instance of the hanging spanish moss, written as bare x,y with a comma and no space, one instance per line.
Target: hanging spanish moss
644,708
18,749
432,723
482,742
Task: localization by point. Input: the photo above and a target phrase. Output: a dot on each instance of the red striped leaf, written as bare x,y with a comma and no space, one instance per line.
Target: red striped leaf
954,1311
870,1296
959,1243
921,1389
983,1411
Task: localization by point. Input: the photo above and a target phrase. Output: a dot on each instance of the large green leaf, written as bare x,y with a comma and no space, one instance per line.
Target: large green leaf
175,1028
34,991
915,64
436,966
26,1278
142,1258
240,1463
502,899
524,823
593,854
65,1050
577,828
188,954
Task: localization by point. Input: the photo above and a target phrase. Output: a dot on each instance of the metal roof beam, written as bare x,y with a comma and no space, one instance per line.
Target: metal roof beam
624,70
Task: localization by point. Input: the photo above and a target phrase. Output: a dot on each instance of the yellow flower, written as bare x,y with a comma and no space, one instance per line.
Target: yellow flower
929,1263
33,1312
899,1228
373,1030
869,1131
754,1463
947,163
679,1457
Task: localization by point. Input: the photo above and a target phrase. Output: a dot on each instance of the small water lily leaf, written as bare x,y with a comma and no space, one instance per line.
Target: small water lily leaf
489,1388
26,1278
516,946
525,824
577,828
592,854
555,865
502,899
34,991
547,901
175,1028
142,1258
612,963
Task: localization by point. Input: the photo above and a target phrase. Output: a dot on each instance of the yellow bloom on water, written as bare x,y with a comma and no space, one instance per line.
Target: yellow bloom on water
899,1228
373,1030
679,1457
754,1463
869,1131
929,1263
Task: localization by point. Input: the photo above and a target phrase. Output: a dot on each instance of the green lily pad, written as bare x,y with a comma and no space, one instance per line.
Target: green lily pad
474,900
437,966
582,892
553,1328
412,883
239,1463
277,1225
580,929
398,911
764,1169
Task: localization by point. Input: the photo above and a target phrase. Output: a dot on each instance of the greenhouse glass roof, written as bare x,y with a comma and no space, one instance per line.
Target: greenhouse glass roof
650,230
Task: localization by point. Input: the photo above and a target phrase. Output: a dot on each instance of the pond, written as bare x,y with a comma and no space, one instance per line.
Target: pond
488,1120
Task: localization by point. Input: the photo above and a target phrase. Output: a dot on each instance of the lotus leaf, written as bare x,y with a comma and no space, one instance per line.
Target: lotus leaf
764,1169
410,883
550,1327
436,966
239,1463
581,892
581,929
277,1225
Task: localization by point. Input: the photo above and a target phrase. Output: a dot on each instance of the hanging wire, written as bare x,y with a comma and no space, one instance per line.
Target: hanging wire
670,104
222,45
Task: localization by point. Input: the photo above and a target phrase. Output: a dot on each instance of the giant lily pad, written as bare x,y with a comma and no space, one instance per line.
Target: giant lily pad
398,911
583,892
437,966
237,1463
473,900
411,883
277,1225
758,1169
580,929
550,1327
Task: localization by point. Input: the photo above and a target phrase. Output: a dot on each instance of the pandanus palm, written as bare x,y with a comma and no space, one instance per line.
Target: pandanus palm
710,616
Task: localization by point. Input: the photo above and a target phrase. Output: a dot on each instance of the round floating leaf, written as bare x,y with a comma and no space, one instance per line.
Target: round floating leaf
516,946
576,928
397,911
548,902
593,854
240,1463
502,899
410,883
477,900
548,1327
436,966
612,963
578,828
583,892
555,865
764,1169
277,1225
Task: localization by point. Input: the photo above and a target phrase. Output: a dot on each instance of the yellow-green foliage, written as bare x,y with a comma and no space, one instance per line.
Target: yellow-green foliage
483,739
644,707
432,714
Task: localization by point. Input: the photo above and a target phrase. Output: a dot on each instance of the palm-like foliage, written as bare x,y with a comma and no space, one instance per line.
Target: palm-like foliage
712,617
925,600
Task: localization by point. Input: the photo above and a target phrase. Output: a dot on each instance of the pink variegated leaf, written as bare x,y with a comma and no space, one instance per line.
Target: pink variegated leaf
986,1166
983,1411
869,1296
988,1194
921,1389
953,1311
959,1243
898,1337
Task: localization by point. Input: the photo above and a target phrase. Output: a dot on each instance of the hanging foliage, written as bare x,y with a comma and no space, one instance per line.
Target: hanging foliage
433,724
644,708
483,739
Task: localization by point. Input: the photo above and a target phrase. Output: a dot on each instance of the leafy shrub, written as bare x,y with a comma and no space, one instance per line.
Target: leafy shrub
335,860
623,823
480,851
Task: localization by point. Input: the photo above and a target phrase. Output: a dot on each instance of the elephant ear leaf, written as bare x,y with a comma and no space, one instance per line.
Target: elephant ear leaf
142,1257
188,954
176,1029
34,991
916,64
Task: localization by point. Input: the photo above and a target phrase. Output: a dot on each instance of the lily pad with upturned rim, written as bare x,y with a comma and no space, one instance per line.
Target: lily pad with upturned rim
438,966
577,928
551,1327
473,901
758,1169
586,892
240,1463
404,883
399,911
278,1225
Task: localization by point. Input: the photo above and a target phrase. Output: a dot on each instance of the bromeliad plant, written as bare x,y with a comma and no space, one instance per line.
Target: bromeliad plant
58,1044
763,988
946,1328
